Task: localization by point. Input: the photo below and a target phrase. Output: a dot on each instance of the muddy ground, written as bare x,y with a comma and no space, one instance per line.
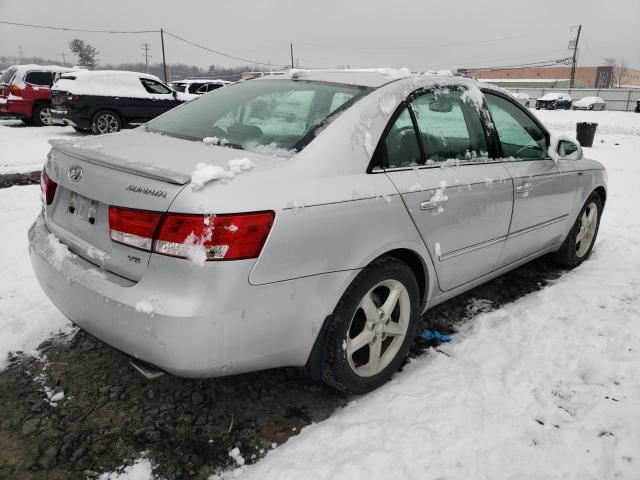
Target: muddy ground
110,414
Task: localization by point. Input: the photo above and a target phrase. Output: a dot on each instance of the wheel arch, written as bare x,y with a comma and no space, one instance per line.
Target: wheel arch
602,192
422,273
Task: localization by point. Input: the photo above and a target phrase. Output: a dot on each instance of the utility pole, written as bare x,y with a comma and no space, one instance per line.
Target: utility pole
291,45
145,52
64,61
164,61
574,60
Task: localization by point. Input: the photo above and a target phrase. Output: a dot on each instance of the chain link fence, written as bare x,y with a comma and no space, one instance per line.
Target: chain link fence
620,99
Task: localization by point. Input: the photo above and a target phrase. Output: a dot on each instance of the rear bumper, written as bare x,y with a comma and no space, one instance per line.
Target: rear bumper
18,108
189,321
61,116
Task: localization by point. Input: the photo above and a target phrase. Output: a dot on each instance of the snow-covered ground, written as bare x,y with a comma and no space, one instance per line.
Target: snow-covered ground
546,387
26,315
23,148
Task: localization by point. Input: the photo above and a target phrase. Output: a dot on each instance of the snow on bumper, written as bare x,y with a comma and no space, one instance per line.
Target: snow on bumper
199,322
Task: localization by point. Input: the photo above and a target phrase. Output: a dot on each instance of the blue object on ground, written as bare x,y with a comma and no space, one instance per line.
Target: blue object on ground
434,335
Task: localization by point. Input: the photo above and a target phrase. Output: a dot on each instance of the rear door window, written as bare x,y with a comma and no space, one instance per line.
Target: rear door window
7,76
41,79
152,86
449,127
520,137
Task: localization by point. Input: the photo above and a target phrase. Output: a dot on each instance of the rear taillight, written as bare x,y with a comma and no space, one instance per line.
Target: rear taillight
199,237
135,228
48,188
14,90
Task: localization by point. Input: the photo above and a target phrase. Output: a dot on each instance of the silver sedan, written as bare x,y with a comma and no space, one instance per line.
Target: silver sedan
306,220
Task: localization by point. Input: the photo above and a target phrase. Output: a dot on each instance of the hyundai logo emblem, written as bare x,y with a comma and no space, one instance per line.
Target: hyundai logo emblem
75,173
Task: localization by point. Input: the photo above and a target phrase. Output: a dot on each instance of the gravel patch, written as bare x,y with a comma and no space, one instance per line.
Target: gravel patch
105,414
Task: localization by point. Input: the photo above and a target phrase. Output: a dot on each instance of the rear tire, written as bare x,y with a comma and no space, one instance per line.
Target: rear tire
372,327
105,121
41,116
579,243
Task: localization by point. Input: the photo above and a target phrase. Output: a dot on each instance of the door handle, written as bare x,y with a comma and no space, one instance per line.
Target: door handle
527,187
432,204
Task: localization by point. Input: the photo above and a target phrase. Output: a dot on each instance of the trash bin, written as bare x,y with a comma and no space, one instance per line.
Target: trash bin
585,131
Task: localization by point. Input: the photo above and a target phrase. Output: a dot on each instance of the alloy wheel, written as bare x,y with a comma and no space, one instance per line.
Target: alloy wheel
586,233
107,123
378,328
45,116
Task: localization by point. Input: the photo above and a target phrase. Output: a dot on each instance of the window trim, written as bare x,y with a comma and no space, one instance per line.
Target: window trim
39,71
379,160
170,92
494,130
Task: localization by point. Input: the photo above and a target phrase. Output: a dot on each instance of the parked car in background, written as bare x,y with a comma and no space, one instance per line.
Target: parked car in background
198,86
523,98
106,101
185,243
553,101
25,92
589,103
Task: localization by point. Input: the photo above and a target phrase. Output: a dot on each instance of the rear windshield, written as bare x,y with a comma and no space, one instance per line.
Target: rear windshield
281,114
8,75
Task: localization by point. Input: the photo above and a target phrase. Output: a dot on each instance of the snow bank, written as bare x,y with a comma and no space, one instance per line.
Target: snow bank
141,469
27,317
24,149
546,387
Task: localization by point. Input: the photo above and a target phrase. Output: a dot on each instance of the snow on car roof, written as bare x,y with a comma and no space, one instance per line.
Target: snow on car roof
82,75
20,69
590,99
107,83
364,77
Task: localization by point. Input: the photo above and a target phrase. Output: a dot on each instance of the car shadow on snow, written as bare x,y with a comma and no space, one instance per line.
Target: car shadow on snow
110,414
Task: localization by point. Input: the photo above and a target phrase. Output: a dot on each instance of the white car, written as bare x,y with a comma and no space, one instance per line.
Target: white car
198,86
589,103
523,98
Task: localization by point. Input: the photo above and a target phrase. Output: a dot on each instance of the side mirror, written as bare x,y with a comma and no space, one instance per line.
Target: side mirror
565,148
175,94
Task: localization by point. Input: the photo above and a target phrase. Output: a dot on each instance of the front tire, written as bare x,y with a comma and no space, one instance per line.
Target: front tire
372,327
579,243
105,121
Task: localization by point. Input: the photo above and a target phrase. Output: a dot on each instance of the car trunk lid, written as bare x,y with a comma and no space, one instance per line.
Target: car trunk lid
133,170
79,213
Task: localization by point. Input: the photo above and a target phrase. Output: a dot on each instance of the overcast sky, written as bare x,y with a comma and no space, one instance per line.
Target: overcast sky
417,34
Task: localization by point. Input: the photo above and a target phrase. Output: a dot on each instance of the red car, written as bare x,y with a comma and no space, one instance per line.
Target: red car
25,92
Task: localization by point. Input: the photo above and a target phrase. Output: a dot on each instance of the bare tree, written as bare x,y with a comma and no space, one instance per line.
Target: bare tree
609,61
621,72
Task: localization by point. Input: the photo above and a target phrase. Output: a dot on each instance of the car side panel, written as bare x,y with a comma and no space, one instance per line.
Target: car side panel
544,195
343,235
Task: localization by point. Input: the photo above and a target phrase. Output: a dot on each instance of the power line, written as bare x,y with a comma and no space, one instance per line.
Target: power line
217,52
161,31
75,29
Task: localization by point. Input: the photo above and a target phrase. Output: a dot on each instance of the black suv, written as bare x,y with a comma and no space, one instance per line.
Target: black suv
106,101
